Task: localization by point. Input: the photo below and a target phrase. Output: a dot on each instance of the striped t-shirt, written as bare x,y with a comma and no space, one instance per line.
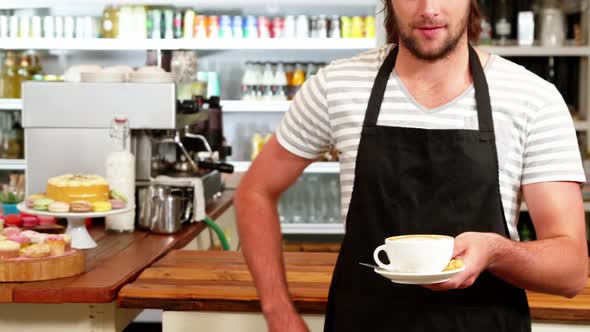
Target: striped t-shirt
535,135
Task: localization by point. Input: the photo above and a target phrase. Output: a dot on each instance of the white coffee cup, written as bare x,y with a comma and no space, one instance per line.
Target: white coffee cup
416,253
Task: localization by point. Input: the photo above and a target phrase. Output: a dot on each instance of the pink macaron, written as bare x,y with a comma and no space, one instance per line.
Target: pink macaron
117,203
30,221
18,238
47,221
8,231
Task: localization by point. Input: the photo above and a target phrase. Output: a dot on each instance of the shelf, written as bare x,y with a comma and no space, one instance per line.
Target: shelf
308,228
10,104
317,167
255,106
13,164
230,4
187,44
537,50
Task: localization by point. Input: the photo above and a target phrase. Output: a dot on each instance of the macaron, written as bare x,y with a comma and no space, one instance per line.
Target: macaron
13,220
59,207
46,221
117,195
21,239
42,204
102,206
117,204
81,206
30,221
30,201
11,231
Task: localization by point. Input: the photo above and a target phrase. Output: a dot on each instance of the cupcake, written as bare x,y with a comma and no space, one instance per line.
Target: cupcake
11,231
57,245
68,240
39,250
20,239
9,249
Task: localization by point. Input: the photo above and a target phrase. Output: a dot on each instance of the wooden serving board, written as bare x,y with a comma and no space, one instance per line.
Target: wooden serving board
36,269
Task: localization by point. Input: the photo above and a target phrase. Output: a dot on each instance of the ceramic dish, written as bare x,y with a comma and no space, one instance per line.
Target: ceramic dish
418,279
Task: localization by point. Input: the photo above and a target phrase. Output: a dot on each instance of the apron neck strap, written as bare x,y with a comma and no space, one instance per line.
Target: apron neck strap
482,96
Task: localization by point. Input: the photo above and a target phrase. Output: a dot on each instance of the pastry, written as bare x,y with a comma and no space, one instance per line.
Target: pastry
57,245
9,249
69,188
42,204
102,206
30,201
59,207
30,221
13,220
11,231
35,237
81,206
117,204
46,221
117,195
39,250
20,239
68,240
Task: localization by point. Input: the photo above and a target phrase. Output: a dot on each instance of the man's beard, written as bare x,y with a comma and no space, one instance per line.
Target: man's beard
449,44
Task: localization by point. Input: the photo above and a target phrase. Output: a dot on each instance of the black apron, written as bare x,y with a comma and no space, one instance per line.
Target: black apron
420,181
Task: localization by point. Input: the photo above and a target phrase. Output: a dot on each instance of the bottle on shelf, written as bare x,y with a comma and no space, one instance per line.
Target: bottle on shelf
526,24
485,37
110,22
23,74
280,83
9,76
267,82
503,26
298,80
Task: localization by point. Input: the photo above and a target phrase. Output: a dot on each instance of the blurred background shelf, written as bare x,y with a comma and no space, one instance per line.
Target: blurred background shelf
13,164
10,104
187,44
537,51
308,228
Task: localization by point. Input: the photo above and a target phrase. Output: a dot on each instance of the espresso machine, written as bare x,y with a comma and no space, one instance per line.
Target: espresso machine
67,131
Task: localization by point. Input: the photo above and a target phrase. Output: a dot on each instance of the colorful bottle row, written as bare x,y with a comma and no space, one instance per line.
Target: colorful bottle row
275,82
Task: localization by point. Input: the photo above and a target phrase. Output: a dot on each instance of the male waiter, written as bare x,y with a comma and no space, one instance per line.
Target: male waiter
435,137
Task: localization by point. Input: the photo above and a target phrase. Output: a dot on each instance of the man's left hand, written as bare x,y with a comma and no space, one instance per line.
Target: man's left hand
477,251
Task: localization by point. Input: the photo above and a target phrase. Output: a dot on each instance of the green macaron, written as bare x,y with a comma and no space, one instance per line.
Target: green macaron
117,195
42,204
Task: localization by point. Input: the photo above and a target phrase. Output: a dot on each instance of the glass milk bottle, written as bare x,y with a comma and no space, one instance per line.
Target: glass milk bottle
120,174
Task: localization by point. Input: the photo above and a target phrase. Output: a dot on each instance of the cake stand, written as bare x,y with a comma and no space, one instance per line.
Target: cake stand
81,239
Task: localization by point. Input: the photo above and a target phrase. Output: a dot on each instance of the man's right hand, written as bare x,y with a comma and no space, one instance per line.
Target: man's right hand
289,321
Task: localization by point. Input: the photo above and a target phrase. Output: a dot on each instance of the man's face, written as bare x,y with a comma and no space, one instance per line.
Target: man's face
431,29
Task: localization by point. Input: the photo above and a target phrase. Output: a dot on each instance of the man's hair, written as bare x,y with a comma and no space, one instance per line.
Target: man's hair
473,24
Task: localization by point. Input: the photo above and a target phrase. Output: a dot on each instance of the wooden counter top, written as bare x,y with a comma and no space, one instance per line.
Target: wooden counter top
220,281
117,260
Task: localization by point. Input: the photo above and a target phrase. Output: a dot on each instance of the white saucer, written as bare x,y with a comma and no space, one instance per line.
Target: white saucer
418,278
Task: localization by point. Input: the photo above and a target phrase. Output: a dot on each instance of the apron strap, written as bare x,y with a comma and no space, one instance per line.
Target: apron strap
482,96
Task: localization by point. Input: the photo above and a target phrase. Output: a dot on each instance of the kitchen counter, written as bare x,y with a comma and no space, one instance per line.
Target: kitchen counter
220,282
117,260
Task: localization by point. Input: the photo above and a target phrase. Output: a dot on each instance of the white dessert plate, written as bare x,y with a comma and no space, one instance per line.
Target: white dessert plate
22,207
418,278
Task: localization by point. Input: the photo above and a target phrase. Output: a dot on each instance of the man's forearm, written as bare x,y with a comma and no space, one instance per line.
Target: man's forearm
557,266
262,247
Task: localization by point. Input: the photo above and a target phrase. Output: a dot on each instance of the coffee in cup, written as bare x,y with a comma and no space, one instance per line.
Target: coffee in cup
422,254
